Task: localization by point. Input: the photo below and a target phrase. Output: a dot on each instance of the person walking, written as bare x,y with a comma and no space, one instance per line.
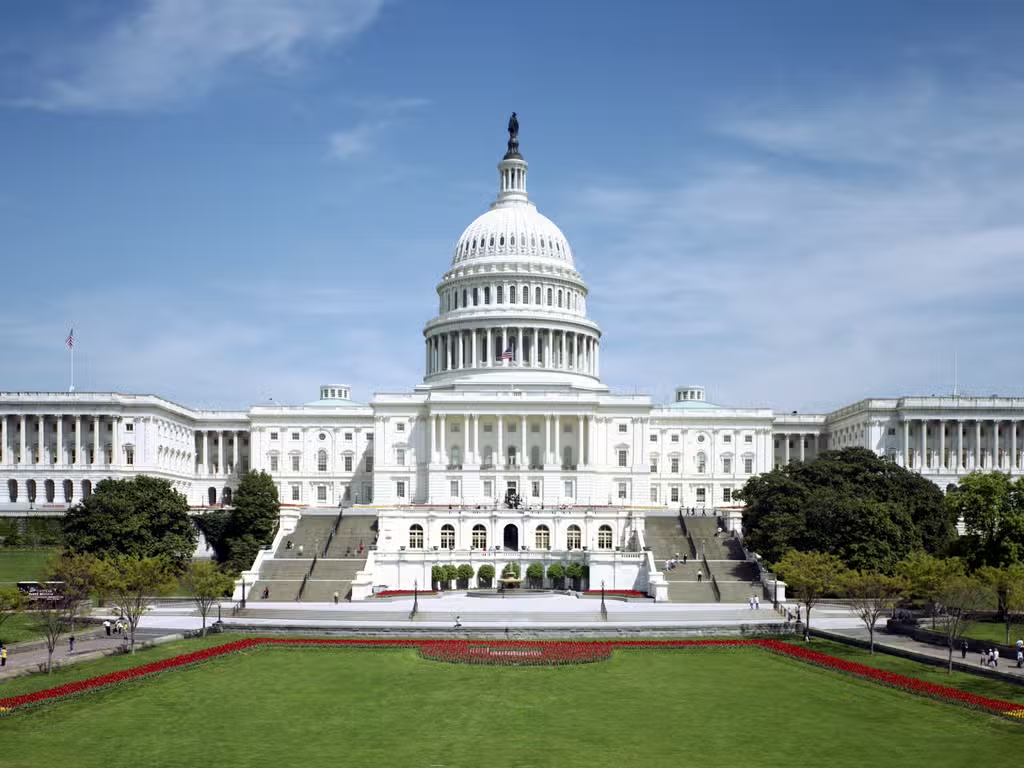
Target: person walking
963,649
106,626
700,576
3,655
71,644
335,597
458,622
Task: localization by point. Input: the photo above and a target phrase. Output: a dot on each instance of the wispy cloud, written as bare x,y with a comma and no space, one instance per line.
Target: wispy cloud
377,117
171,51
850,251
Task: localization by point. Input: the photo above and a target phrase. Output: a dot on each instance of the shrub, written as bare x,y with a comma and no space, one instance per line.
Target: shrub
486,575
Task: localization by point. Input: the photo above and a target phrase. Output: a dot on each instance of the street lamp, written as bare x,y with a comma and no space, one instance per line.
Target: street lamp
243,593
604,610
415,595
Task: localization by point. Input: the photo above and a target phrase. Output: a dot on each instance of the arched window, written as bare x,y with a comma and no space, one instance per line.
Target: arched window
227,496
465,294
69,490
511,294
30,486
536,295
12,490
211,495
535,457
604,537
50,491
499,294
559,297
512,455
542,539
447,536
479,536
492,241
416,536
526,294
321,460
550,295
512,240
573,537
501,240
86,489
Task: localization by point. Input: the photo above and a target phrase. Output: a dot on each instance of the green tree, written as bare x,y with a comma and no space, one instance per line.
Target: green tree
486,575
1007,583
961,597
436,576
140,517
556,573
866,510
51,619
926,575
11,603
464,575
236,535
575,573
207,585
76,572
131,582
451,573
535,573
992,508
873,594
810,576
511,570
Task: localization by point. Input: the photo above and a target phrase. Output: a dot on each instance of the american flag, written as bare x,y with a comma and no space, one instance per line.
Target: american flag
70,340
507,354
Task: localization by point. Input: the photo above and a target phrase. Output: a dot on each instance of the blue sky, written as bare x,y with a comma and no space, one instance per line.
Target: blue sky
796,204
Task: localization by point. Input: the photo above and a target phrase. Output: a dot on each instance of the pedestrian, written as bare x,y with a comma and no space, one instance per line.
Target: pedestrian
71,644
266,593
106,626
300,550
798,614
3,655
750,602
700,576
982,657
335,597
684,558
458,622
1020,658
807,637
995,657
963,649
757,603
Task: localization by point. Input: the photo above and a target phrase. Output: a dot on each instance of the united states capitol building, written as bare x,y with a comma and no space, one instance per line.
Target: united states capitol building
511,400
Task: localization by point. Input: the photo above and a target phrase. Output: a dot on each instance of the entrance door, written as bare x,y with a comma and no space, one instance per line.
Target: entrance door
511,537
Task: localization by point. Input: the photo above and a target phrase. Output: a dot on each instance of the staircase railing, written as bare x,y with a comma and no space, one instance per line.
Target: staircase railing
711,578
334,531
302,588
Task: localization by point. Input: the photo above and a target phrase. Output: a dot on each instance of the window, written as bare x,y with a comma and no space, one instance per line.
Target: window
369,463
447,536
654,438
295,435
573,537
675,465
457,428
476,297
479,536
622,490
674,493
701,494
348,436
129,427
726,438
400,489
604,537
488,488
416,536
323,436
321,493
273,463
511,294
400,426
748,465
499,294
536,295
400,457
296,493
727,465
570,488
654,466
321,461
550,295
654,493
892,431
535,489
348,463
526,294
701,463
675,438
623,428
454,488
748,439
129,455
295,463
542,538
487,294
623,458
727,495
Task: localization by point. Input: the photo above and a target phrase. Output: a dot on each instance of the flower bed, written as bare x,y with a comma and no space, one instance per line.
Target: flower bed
406,593
615,593
524,653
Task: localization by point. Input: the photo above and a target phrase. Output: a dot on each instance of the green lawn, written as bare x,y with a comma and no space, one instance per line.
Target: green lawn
990,631
331,707
18,564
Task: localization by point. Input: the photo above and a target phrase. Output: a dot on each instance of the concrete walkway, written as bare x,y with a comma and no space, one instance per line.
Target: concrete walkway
30,657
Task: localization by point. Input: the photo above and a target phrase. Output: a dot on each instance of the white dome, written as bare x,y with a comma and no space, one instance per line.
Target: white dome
513,231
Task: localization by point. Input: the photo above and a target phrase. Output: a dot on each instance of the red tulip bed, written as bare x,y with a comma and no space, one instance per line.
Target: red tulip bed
523,653
615,593
405,593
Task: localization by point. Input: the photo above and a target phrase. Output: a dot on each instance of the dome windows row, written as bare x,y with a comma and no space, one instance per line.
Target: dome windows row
480,246
455,298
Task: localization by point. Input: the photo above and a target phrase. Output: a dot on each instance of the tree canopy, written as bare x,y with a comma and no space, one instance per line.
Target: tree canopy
237,534
992,507
140,517
864,509
810,576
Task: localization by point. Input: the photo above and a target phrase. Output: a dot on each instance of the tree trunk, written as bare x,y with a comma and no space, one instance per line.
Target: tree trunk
949,668
871,635
49,660
203,634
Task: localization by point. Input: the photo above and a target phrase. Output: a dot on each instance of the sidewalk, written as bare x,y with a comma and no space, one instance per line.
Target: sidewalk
26,658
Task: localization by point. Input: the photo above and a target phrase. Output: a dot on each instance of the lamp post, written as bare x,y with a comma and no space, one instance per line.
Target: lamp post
243,592
415,595
604,610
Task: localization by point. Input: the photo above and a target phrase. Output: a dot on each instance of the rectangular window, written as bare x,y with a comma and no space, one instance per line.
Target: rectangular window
748,465
454,488
701,495
654,438
129,455
296,493
892,431
535,428
456,427
727,495
348,463
623,427
512,427
623,458
654,493
726,438
295,435
488,427
488,488
675,465
321,493
400,457
675,438
321,462
400,426
400,489
273,435
368,462
654,466
622,490
348,436
129,427
674,493
295,463
727,466
776,443
535,489
701,466
569,489
273,463
476,297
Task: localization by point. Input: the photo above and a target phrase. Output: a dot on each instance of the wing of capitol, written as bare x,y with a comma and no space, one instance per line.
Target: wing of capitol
510,445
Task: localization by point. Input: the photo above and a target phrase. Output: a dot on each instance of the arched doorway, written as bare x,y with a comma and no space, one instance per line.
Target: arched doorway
511,537
30,486
227,496
69,490
49,491
86,489
12,490
211,494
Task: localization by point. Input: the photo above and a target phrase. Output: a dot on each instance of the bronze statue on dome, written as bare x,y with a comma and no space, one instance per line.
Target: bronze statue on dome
513,136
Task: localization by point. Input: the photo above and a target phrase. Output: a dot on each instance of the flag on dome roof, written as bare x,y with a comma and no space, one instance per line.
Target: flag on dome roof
507,354
70,340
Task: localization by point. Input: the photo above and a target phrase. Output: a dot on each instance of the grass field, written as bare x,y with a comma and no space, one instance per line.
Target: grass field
18,564
320,707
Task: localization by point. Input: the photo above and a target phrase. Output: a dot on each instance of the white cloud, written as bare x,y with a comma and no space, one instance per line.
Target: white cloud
856,246
174,50
379,116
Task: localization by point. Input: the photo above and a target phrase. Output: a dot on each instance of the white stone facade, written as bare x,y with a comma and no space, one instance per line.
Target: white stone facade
511,398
